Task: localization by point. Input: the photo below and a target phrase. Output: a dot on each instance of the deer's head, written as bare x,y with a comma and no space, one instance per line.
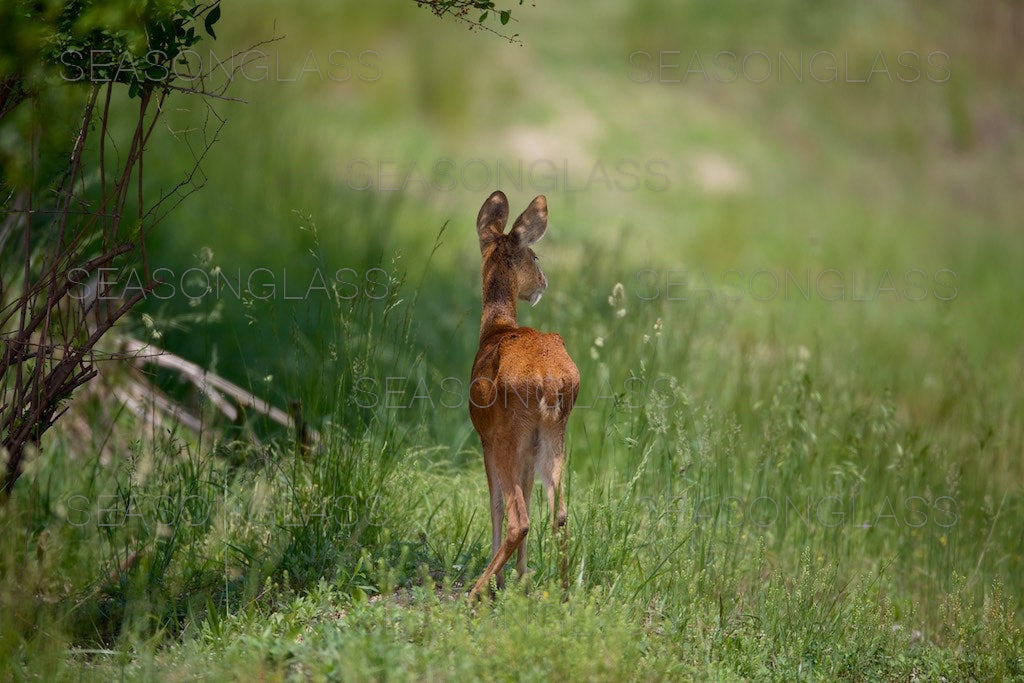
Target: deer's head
510,252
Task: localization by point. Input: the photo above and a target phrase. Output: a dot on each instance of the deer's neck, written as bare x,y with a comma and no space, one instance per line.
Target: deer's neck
500,296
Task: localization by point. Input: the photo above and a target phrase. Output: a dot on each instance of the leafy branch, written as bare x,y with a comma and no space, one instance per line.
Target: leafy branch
475,13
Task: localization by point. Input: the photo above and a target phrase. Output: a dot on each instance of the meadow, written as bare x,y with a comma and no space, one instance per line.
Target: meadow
784,251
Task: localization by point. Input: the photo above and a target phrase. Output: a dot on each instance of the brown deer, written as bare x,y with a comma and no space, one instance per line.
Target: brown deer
522,389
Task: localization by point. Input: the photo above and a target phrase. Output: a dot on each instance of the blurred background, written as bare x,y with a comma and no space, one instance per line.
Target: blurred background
842,179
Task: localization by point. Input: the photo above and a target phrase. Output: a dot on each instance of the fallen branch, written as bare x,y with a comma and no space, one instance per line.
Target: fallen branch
215,387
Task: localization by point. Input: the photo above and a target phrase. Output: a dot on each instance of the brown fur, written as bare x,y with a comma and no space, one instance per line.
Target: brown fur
523,387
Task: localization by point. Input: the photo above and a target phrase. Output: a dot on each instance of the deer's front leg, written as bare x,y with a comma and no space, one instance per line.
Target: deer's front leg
552,454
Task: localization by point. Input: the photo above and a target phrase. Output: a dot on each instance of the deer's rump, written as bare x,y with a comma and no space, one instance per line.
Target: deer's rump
526,373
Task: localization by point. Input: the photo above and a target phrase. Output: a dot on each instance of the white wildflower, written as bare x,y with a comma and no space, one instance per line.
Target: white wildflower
618,295
617,300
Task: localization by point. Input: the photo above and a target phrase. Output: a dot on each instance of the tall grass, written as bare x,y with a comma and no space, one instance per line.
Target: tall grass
806,531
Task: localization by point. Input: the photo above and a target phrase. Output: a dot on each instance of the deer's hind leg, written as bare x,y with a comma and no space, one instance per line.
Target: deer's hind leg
497,517
504,464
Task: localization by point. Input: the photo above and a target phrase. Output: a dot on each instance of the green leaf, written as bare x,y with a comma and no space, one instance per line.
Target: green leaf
482,18
212,17
505,14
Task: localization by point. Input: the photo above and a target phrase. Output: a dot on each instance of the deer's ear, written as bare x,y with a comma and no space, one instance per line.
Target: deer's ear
532,224
490,222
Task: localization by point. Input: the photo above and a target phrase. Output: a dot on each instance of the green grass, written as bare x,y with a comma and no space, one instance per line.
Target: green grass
810,487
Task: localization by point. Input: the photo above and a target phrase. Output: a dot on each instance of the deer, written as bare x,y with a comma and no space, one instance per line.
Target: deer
522,389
